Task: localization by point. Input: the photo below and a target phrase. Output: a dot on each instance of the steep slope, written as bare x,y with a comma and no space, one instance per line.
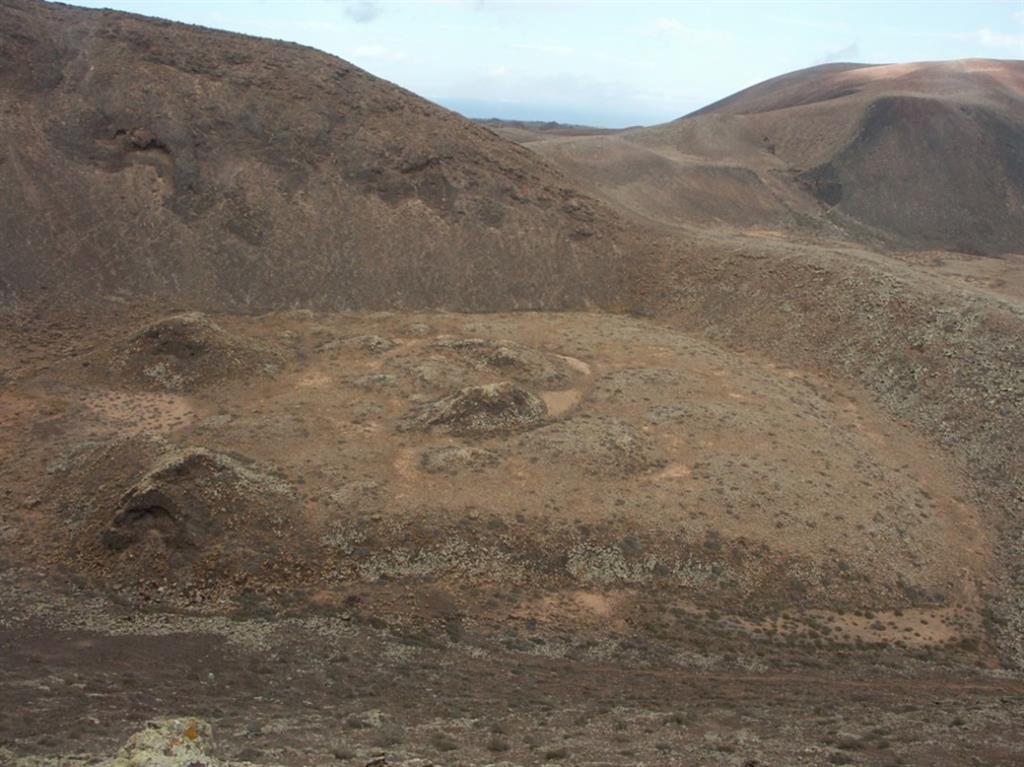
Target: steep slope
932,153
208,169
920,156
791,89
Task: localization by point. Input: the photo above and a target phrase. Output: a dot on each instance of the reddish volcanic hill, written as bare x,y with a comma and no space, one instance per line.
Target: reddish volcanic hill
927,155
208,169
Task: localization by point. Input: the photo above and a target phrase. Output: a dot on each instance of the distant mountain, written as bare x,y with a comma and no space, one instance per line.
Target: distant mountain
526,131
927,155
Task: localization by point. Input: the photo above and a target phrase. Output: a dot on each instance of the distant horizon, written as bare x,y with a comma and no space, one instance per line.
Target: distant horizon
471,110
512,112
603,65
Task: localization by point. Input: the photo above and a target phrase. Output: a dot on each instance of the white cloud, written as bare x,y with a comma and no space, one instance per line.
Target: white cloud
669,26
362,11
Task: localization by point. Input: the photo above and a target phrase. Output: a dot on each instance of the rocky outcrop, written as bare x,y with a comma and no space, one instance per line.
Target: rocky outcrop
188,498
485,410
510,360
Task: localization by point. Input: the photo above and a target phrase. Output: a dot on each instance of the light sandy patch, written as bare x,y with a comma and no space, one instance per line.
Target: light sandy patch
575,607
578,365
14,407
917,627
316,379
885,72
561,402
673,471
369,427
16,414
598,604
405,464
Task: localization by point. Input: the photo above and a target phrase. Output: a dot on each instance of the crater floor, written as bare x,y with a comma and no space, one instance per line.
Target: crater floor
531,538
559,468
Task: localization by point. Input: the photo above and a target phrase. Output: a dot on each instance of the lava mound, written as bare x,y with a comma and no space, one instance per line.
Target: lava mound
196,509
187,352
484,410
511,360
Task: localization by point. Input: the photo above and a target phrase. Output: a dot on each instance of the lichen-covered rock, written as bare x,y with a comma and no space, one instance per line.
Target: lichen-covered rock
480,411
172,742
452,459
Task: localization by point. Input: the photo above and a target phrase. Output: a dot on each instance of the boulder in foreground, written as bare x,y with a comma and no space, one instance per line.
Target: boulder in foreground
171,742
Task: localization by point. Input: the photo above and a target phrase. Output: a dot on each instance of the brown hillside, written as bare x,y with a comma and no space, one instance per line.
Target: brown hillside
922,156
154,159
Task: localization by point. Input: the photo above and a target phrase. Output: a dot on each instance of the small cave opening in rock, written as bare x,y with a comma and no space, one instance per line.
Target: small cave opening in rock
153,514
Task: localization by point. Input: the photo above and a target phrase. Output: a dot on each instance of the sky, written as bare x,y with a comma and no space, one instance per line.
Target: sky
609,64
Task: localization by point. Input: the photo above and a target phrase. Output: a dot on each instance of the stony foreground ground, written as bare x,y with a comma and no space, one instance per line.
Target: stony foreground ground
325,691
